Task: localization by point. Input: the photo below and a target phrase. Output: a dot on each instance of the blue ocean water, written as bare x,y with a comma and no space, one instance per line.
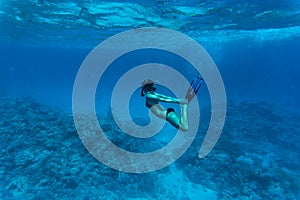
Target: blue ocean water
255,45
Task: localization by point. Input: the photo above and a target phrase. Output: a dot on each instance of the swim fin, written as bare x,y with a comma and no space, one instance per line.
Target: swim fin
194,87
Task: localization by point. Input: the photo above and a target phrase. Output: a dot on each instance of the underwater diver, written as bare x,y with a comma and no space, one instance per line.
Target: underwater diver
169,114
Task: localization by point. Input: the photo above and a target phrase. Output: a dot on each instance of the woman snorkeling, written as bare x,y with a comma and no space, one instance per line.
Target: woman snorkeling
169,114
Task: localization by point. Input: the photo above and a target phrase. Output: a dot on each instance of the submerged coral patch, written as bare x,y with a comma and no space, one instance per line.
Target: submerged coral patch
43,157
251,160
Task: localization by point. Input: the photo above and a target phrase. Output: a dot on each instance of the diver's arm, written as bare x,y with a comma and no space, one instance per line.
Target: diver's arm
163,98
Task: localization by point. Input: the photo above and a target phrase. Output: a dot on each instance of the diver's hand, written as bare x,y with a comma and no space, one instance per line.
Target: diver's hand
183,101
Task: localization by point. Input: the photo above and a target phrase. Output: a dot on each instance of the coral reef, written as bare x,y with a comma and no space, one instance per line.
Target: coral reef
255,158
43,157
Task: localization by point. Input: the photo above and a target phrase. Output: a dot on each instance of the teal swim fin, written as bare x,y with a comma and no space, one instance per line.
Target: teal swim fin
194,87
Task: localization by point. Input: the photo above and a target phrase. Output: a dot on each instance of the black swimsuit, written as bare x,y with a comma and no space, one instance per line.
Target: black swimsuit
151,102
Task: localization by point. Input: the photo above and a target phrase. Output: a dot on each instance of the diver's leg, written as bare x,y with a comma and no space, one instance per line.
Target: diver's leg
159,111
181,122
184,124
173,118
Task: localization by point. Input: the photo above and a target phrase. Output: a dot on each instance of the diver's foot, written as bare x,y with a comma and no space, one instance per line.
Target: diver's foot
189,96
194,87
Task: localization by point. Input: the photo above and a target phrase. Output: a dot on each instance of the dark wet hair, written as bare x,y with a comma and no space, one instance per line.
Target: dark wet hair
149,87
